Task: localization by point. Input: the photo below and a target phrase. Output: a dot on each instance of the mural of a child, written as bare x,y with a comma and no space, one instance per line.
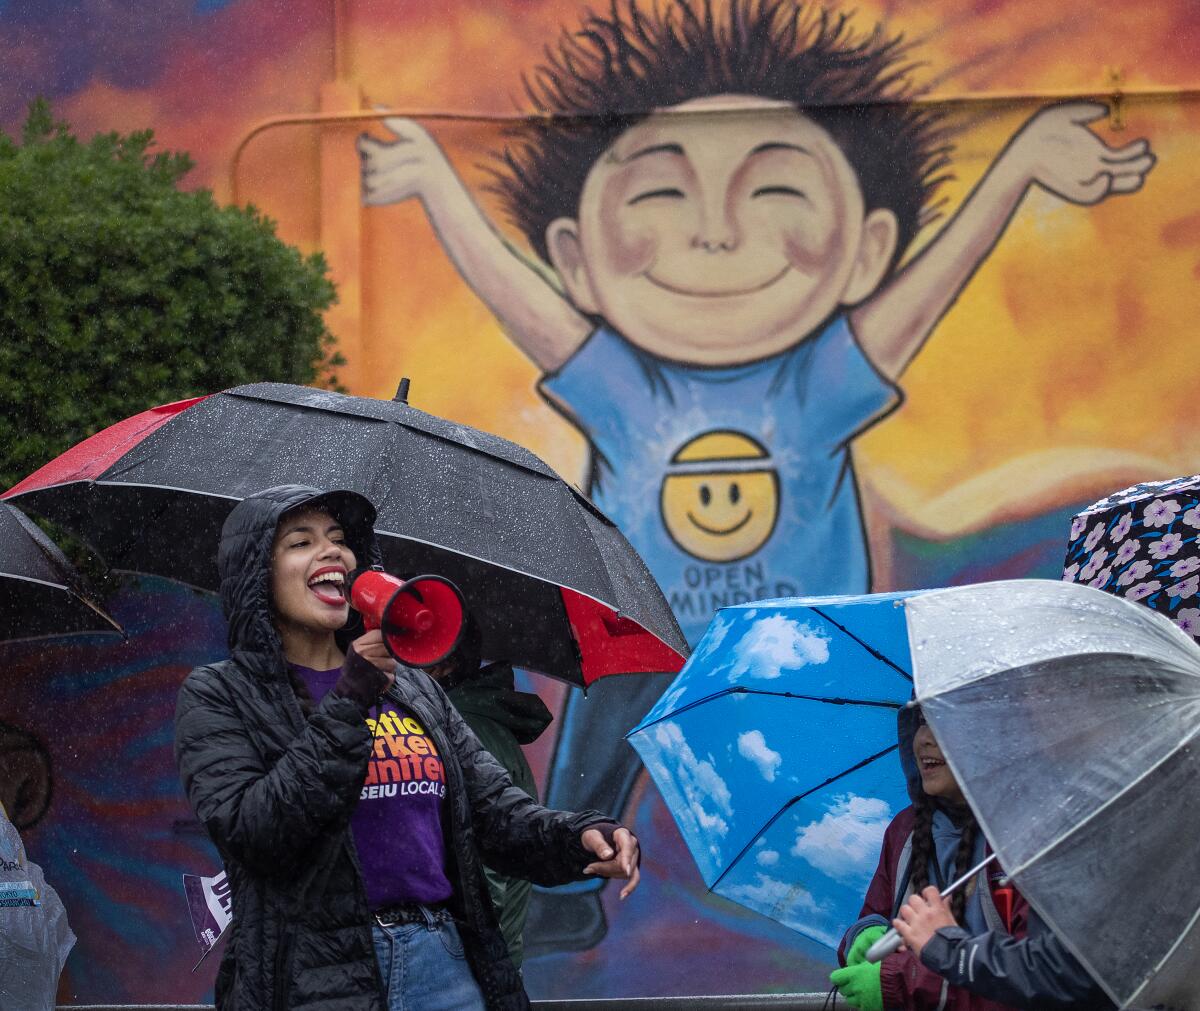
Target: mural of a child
724,200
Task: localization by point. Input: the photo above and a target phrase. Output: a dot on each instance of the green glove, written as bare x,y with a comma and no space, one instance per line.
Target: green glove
859,984
862,941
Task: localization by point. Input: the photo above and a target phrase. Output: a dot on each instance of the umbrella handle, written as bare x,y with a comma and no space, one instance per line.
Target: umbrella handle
891,941
886,945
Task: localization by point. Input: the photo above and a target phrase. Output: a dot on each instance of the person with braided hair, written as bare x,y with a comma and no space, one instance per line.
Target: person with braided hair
982,949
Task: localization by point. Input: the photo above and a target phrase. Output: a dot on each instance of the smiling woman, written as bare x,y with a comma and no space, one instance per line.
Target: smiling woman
310,561
349,839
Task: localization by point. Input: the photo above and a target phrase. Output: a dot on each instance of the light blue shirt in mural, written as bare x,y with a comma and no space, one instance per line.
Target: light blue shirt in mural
734,483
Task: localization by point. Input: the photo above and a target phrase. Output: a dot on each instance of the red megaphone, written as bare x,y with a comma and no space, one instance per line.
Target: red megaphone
421,618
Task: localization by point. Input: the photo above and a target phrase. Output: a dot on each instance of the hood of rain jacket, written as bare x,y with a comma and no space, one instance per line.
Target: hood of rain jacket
244,564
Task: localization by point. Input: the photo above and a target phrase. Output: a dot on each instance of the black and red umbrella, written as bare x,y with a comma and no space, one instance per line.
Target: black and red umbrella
556,587
41,594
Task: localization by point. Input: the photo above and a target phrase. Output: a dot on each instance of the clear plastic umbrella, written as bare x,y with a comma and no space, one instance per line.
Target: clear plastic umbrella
1070,718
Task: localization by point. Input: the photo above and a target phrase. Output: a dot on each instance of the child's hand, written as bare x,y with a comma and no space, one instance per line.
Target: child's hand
921,917
860,985
862,941
404,168
1057,150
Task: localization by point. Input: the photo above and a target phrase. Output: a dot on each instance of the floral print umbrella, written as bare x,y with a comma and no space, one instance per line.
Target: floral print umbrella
1143,543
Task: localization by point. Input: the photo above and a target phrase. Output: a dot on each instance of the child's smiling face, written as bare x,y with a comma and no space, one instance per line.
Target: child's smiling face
721,245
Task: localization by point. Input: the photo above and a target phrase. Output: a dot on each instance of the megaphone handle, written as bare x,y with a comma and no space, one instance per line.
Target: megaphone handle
886,945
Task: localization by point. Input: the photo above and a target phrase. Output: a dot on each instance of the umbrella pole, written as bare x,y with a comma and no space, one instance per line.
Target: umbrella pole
891,941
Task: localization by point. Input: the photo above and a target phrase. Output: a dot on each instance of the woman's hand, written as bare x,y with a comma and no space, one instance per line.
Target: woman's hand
921,917
619,863
367,672
370,647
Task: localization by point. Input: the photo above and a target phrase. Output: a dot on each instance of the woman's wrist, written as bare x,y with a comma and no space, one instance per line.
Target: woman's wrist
360,681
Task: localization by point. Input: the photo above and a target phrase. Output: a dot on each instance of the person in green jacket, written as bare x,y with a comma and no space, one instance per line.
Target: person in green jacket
503,719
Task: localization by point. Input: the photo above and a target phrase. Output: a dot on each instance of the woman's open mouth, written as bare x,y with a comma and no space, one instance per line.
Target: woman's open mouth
329,585
931,763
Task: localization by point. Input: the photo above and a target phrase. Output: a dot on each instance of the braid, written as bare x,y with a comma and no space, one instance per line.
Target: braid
923,851
962,864
922,843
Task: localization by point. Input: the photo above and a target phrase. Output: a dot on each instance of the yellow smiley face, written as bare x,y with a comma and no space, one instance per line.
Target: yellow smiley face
720,499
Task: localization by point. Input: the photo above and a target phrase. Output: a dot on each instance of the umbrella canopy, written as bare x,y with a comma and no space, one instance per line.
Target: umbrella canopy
554,584
40,593
1141,543
775,751
1070,719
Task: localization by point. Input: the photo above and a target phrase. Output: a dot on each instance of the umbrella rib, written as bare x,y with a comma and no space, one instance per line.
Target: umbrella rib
870,649
41,582
740,690
102,614
1183,934
799,797
1092,816
828,700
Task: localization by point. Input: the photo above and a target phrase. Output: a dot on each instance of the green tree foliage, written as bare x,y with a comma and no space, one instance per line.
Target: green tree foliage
119,291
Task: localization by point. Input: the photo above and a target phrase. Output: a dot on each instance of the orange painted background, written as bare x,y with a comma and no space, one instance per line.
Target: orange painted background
1066,369
1061,343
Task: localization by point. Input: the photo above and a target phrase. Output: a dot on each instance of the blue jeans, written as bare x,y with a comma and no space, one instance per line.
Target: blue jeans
424,967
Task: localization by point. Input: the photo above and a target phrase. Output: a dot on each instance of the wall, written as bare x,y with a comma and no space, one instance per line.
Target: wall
1062,369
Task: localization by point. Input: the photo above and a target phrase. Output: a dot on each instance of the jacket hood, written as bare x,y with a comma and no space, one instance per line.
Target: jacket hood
244,564
492,693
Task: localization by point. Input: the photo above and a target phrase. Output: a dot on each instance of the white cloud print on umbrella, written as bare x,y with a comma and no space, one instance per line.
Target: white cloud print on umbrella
775,644
790,706
753,745
751,646
845,843
692,789
789,902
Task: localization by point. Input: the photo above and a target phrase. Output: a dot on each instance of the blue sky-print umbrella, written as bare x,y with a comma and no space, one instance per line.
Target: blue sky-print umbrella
775,751
1143,543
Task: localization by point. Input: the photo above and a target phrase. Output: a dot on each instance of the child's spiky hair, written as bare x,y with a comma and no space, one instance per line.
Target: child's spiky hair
618,69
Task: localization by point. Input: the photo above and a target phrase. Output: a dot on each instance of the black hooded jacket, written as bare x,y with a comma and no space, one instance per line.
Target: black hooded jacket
275,779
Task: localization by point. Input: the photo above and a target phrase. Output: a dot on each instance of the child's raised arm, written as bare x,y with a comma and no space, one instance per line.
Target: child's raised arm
1054,149
535,314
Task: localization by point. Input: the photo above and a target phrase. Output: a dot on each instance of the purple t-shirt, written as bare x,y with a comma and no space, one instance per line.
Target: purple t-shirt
397,824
